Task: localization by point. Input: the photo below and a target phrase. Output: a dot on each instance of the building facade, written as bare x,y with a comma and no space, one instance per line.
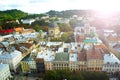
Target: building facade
4,72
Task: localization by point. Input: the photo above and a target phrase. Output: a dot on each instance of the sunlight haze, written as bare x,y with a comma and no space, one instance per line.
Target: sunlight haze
41,6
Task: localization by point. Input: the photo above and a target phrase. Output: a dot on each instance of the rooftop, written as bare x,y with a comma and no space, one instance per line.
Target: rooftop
117,47
53,43
94,54
31,35
62,57
113,38
111,58
90,41
73,57
82,56
10,55
46,55
2,66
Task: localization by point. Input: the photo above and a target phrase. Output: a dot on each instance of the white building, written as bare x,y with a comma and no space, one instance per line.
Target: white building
73,58
28,21
4,72
111,63
48,56
11,58
108,32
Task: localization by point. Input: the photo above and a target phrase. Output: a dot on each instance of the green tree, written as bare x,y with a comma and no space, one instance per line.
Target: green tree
64,27
64,37
73,22
37,28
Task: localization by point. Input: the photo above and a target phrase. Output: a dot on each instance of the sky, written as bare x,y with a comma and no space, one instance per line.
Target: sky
42,6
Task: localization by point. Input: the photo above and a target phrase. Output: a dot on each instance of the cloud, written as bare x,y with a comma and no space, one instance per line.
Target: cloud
40,6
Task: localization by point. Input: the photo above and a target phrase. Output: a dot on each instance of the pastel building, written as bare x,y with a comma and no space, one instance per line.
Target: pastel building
73,61
54,30
82,66
28,21
4,72
111,63
11,58
61,61
28,64
48,56
94,60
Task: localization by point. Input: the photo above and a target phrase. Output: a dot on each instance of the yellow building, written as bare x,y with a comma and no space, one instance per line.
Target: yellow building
54,30
94,60
25,67
48,65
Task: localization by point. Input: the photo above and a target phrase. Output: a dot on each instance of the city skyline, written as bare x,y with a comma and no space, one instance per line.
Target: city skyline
42,6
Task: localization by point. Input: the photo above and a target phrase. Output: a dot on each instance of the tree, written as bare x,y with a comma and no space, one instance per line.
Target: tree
64,37
73,22
37,28
64,27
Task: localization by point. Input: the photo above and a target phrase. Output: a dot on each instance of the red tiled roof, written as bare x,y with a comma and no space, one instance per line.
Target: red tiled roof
82,56
103,48
6,31
113,38
19,29
94,54
28,45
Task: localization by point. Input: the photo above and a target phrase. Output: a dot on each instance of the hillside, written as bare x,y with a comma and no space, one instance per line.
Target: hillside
12,14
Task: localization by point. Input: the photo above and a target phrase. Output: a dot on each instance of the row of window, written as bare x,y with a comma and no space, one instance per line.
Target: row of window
111,65
111,69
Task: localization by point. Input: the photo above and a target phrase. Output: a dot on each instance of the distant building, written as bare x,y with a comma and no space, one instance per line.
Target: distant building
28,21
28,65
84,32
12,58
4,72
112,39
48,56
82,66
40,65
111,63
73,61
8,31
94,60
53,30
61,61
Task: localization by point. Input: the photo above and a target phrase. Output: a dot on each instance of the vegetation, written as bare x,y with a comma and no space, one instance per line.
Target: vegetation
69,13
33,16
65,37
12,14
8,19
65,27
74,75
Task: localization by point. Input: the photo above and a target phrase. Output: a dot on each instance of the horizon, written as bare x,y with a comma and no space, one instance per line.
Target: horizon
42,6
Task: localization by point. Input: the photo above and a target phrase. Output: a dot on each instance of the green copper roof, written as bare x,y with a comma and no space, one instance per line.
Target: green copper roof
90,41
62,57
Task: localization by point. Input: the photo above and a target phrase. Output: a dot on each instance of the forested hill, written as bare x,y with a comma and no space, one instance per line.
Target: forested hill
12,14
69,13
18,14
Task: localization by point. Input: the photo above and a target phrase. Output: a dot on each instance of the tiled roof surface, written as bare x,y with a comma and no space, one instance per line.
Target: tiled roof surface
113,38
62,57
82,56
94,54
